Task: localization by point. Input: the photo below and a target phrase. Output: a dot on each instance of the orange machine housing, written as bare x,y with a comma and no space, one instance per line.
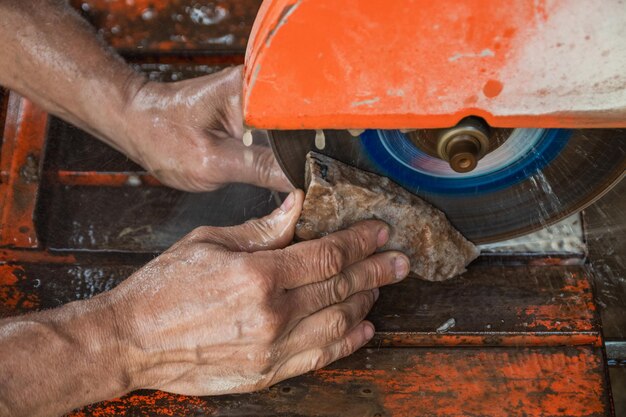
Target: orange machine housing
314,64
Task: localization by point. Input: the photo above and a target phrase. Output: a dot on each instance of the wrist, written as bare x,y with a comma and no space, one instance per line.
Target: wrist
122,114
141,118
93,327
74,349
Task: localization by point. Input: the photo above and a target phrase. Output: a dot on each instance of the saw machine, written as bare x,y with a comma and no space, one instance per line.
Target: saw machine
508,116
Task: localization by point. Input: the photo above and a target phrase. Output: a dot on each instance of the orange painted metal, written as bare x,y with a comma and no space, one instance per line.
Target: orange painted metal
20,171
486,382
13,297
34,256
426,64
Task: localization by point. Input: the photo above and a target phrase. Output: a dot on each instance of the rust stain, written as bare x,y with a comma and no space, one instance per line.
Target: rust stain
156,404
171,25
574,311
24,138
12,297
495,383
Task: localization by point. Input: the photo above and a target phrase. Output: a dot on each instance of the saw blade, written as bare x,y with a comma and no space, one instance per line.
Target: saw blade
533,179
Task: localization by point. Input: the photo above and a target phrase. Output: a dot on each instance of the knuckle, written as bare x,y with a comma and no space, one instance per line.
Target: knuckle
339,324
332,257
256,277
318,360
200,232
320,298
358,240
251,273
258,283
365,304
376,272
341,287
260,228
346,348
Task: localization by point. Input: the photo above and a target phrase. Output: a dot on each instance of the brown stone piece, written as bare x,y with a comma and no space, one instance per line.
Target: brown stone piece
339,195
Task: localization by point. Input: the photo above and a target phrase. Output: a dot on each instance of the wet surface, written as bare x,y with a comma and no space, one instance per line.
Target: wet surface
141,219
618,385
605,230
518,305
403,382
172,25
131,218
106,233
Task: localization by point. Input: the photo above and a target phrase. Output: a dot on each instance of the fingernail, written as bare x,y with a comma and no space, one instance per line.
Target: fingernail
368,331
383,236
401,267
376,292
288,203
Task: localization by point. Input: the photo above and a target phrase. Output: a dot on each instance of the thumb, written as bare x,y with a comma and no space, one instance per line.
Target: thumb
274,231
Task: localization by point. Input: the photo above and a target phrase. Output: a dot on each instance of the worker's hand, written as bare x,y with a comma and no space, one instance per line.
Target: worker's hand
189,135
229,310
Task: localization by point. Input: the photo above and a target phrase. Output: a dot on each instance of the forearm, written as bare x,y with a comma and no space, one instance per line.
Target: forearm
53,57
57,360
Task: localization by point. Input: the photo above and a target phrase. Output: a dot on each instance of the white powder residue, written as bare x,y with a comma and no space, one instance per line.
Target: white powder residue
565,236
572,61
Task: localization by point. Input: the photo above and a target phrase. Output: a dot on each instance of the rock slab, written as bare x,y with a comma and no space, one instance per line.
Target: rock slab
339,195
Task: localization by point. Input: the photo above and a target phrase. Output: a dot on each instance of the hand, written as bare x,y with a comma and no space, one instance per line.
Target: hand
189,135
231,310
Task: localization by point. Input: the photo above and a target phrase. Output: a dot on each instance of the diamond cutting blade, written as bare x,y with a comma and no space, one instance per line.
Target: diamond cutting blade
533,179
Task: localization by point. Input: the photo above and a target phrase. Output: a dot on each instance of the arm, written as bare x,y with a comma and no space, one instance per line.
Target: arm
188,134
225,310
57,360
53,57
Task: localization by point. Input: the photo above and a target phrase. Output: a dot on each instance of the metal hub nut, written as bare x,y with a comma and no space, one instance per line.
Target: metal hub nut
463,146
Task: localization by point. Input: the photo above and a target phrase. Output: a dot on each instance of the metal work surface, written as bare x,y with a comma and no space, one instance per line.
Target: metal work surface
172,25
490,305
435,342
404,382
515,335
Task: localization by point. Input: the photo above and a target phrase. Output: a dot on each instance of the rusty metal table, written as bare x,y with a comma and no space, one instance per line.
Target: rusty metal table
78,218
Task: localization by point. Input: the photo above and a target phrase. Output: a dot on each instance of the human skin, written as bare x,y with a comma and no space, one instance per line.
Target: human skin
225,310
188,133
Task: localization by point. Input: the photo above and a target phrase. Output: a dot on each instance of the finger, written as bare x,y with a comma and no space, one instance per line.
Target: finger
254,165
317,260
274,231
230,88
317,358
376,271
330,324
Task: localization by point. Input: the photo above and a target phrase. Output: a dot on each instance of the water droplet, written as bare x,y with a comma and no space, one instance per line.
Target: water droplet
148,14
